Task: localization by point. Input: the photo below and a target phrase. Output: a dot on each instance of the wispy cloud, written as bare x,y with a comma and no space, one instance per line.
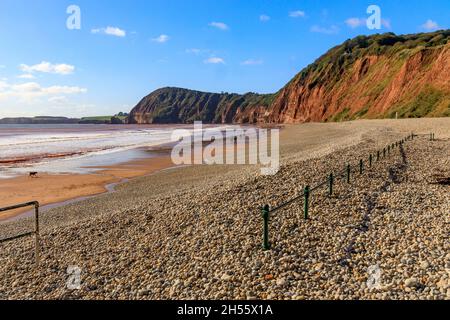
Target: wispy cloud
161,38
26,76
29,91
214,60
199,52
297,14
58,100
355,22
252,62
430,25
219,25
362,22
264,18
47,67
325,30
110,31
195,51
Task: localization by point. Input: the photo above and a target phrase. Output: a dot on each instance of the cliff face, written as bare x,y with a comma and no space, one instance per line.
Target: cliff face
176,105
377,77
381,76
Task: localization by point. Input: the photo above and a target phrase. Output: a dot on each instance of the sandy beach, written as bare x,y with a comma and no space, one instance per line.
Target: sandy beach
55,188
195,232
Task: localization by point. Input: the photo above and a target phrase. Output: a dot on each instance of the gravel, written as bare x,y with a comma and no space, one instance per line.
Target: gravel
195,232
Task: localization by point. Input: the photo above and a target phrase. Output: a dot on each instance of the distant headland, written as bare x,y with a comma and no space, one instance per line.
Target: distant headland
120,118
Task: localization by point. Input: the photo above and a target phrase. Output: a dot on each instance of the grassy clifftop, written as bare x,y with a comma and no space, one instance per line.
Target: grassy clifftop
378,76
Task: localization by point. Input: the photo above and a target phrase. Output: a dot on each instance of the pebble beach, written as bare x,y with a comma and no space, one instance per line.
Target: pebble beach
195,232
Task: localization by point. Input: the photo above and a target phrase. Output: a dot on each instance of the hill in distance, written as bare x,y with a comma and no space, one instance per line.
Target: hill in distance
368,77
120,118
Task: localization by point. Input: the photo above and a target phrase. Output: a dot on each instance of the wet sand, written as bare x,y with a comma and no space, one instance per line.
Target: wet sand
56,188
52,190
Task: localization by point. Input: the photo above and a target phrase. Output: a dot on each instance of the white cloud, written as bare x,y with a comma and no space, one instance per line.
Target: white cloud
63,90
297,14
29,91
219,25
3,84
161,38
47,67
214,60
26,76
110,31
264,18
252,62
330,30
430,25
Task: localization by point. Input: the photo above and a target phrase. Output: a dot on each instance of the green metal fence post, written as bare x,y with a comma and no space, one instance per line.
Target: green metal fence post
306,201
378,155
361,169
348,173
331,180
265,215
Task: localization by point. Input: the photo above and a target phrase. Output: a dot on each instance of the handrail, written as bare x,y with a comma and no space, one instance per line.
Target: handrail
266,210
36,225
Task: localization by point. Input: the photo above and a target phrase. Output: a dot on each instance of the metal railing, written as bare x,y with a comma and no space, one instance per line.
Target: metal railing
37,247
329,181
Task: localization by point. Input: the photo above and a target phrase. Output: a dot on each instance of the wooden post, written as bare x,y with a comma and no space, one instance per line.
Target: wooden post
306,202
37,249
265,215
330,180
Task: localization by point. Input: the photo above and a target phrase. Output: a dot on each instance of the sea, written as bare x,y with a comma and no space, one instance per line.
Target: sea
76,148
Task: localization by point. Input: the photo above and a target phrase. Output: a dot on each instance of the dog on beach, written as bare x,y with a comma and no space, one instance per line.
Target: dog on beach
33,174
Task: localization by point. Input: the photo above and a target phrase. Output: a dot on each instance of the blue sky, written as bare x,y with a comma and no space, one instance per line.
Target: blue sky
127,48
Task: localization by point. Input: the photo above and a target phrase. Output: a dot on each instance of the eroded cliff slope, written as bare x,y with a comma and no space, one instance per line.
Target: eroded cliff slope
379,76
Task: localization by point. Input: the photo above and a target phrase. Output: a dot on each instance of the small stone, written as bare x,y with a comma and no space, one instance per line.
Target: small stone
318,266
268,277
442,284
411,283
281,282
226,277
424,265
